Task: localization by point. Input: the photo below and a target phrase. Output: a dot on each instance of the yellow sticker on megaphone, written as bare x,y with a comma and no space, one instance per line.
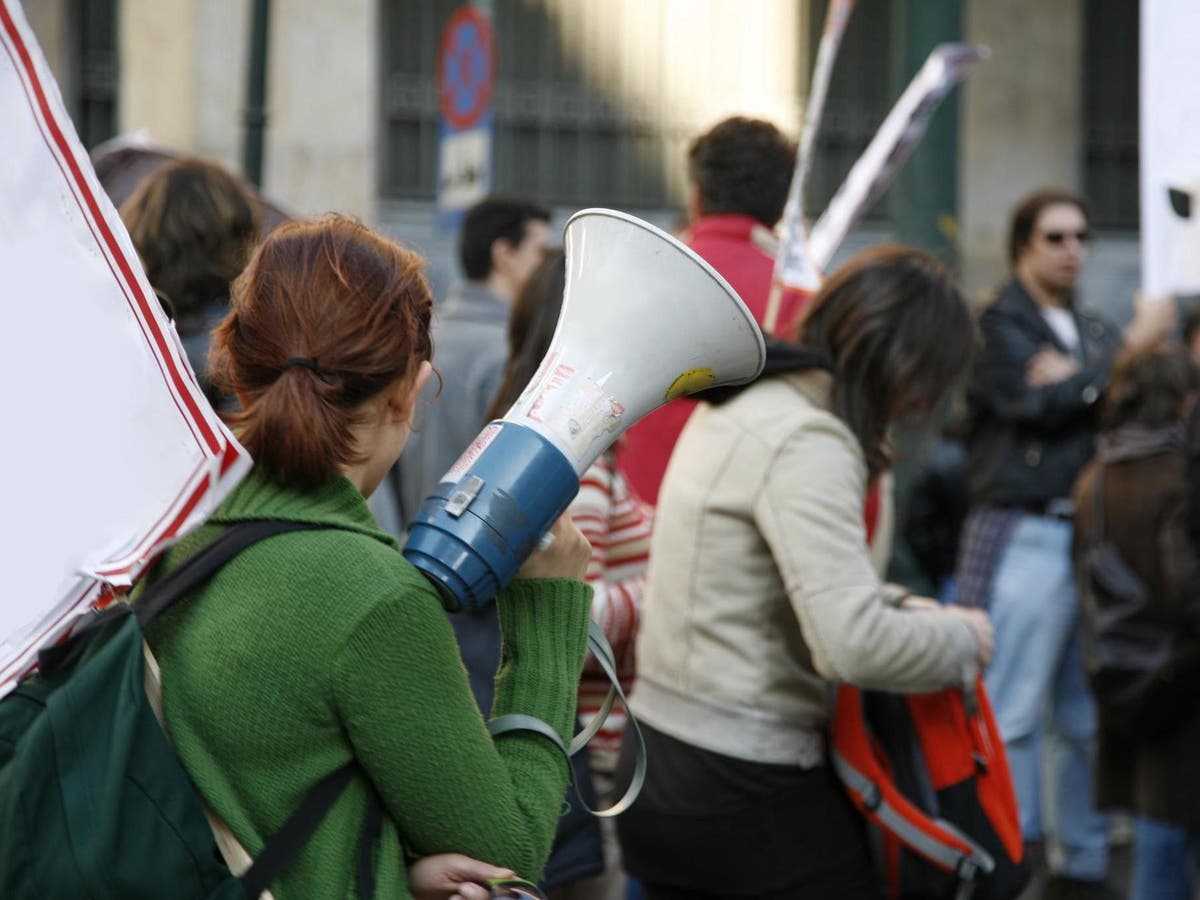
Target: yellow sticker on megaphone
691,381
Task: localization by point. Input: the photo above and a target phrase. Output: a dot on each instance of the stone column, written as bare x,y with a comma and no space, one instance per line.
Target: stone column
183,79
182,71
323,106
1021,121
50,21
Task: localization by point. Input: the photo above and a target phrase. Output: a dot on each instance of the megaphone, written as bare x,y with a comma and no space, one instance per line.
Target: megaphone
644,320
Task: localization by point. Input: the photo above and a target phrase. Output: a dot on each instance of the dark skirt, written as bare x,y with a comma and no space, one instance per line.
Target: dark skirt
712,826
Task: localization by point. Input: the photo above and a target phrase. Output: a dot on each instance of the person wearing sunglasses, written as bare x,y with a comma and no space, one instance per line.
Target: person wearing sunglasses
1031,428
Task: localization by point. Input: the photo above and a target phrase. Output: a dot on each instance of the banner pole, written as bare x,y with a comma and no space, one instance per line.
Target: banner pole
792,266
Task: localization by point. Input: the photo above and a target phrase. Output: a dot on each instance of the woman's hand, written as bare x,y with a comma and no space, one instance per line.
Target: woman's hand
564,553
981,626
452,876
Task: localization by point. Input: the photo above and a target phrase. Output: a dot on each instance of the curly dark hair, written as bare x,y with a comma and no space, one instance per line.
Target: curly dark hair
194,225
742,165
1148,386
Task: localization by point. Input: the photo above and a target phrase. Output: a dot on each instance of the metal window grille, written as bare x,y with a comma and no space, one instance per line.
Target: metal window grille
569,141
557,137
93,100
858,99
1110,112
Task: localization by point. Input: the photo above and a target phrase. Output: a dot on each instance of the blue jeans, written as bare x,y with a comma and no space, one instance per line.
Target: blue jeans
1038,664
1164,861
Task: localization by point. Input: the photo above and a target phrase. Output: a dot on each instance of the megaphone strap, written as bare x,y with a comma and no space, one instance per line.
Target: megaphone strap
603,652
600,648
513,887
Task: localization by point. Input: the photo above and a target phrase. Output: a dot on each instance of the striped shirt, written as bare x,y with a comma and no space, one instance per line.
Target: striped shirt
618,526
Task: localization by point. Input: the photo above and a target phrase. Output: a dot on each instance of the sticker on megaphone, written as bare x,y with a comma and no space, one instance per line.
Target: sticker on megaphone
690,382
571,409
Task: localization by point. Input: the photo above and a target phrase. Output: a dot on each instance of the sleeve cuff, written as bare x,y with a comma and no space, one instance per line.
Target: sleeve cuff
543,628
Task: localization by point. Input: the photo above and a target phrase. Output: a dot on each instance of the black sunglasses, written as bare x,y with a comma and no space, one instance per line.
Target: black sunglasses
1057,237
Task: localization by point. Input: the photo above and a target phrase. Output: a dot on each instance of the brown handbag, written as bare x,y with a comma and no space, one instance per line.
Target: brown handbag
1136,657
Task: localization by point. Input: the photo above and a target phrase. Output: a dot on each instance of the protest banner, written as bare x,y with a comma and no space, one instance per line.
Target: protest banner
1170,161
895,141
111,451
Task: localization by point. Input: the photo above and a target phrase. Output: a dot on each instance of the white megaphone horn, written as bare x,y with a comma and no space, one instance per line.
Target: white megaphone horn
644,320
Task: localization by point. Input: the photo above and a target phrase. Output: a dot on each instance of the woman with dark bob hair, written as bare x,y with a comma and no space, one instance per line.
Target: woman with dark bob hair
763,590
194,225
317,648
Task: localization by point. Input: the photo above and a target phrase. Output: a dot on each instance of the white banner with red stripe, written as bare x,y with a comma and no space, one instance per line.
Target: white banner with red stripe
111,451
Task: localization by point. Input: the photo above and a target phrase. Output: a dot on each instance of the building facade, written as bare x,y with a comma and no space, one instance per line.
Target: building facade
594,104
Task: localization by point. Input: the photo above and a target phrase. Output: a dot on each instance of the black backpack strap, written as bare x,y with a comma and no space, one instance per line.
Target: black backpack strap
291,837
367,840
204,563
294,833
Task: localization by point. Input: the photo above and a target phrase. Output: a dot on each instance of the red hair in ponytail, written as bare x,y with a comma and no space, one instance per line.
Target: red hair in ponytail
353,307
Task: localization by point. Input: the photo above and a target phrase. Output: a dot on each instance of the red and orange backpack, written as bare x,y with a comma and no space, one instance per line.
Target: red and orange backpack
929,773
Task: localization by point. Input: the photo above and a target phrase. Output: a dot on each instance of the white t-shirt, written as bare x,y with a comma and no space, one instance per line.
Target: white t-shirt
1063,323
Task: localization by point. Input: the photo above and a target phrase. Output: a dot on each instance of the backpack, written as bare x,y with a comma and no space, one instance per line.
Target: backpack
929,773
93,801
1141,669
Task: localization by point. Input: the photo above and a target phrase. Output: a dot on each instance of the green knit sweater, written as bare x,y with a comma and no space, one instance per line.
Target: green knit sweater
317,647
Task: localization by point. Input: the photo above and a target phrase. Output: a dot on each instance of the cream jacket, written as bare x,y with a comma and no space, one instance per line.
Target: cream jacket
762,588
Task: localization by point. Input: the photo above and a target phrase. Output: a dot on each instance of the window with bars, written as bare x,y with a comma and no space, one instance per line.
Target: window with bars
1110,112
570,140
858,100
556,136
92,95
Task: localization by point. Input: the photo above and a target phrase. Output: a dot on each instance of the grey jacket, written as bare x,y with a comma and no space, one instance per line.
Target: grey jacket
470,348
762,588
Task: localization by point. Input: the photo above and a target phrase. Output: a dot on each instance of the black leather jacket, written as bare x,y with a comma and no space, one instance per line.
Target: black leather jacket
1026,445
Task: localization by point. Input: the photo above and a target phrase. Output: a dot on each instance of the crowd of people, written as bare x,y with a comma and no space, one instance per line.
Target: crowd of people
733,548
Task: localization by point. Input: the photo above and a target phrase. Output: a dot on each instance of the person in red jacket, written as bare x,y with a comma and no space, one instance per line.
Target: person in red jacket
739,172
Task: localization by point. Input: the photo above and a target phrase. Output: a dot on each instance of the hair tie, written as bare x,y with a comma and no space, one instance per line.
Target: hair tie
310,364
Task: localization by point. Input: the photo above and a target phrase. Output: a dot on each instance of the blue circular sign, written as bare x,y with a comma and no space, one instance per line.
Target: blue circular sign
466,68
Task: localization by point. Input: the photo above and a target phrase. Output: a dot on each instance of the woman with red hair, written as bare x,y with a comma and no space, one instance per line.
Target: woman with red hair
317,648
